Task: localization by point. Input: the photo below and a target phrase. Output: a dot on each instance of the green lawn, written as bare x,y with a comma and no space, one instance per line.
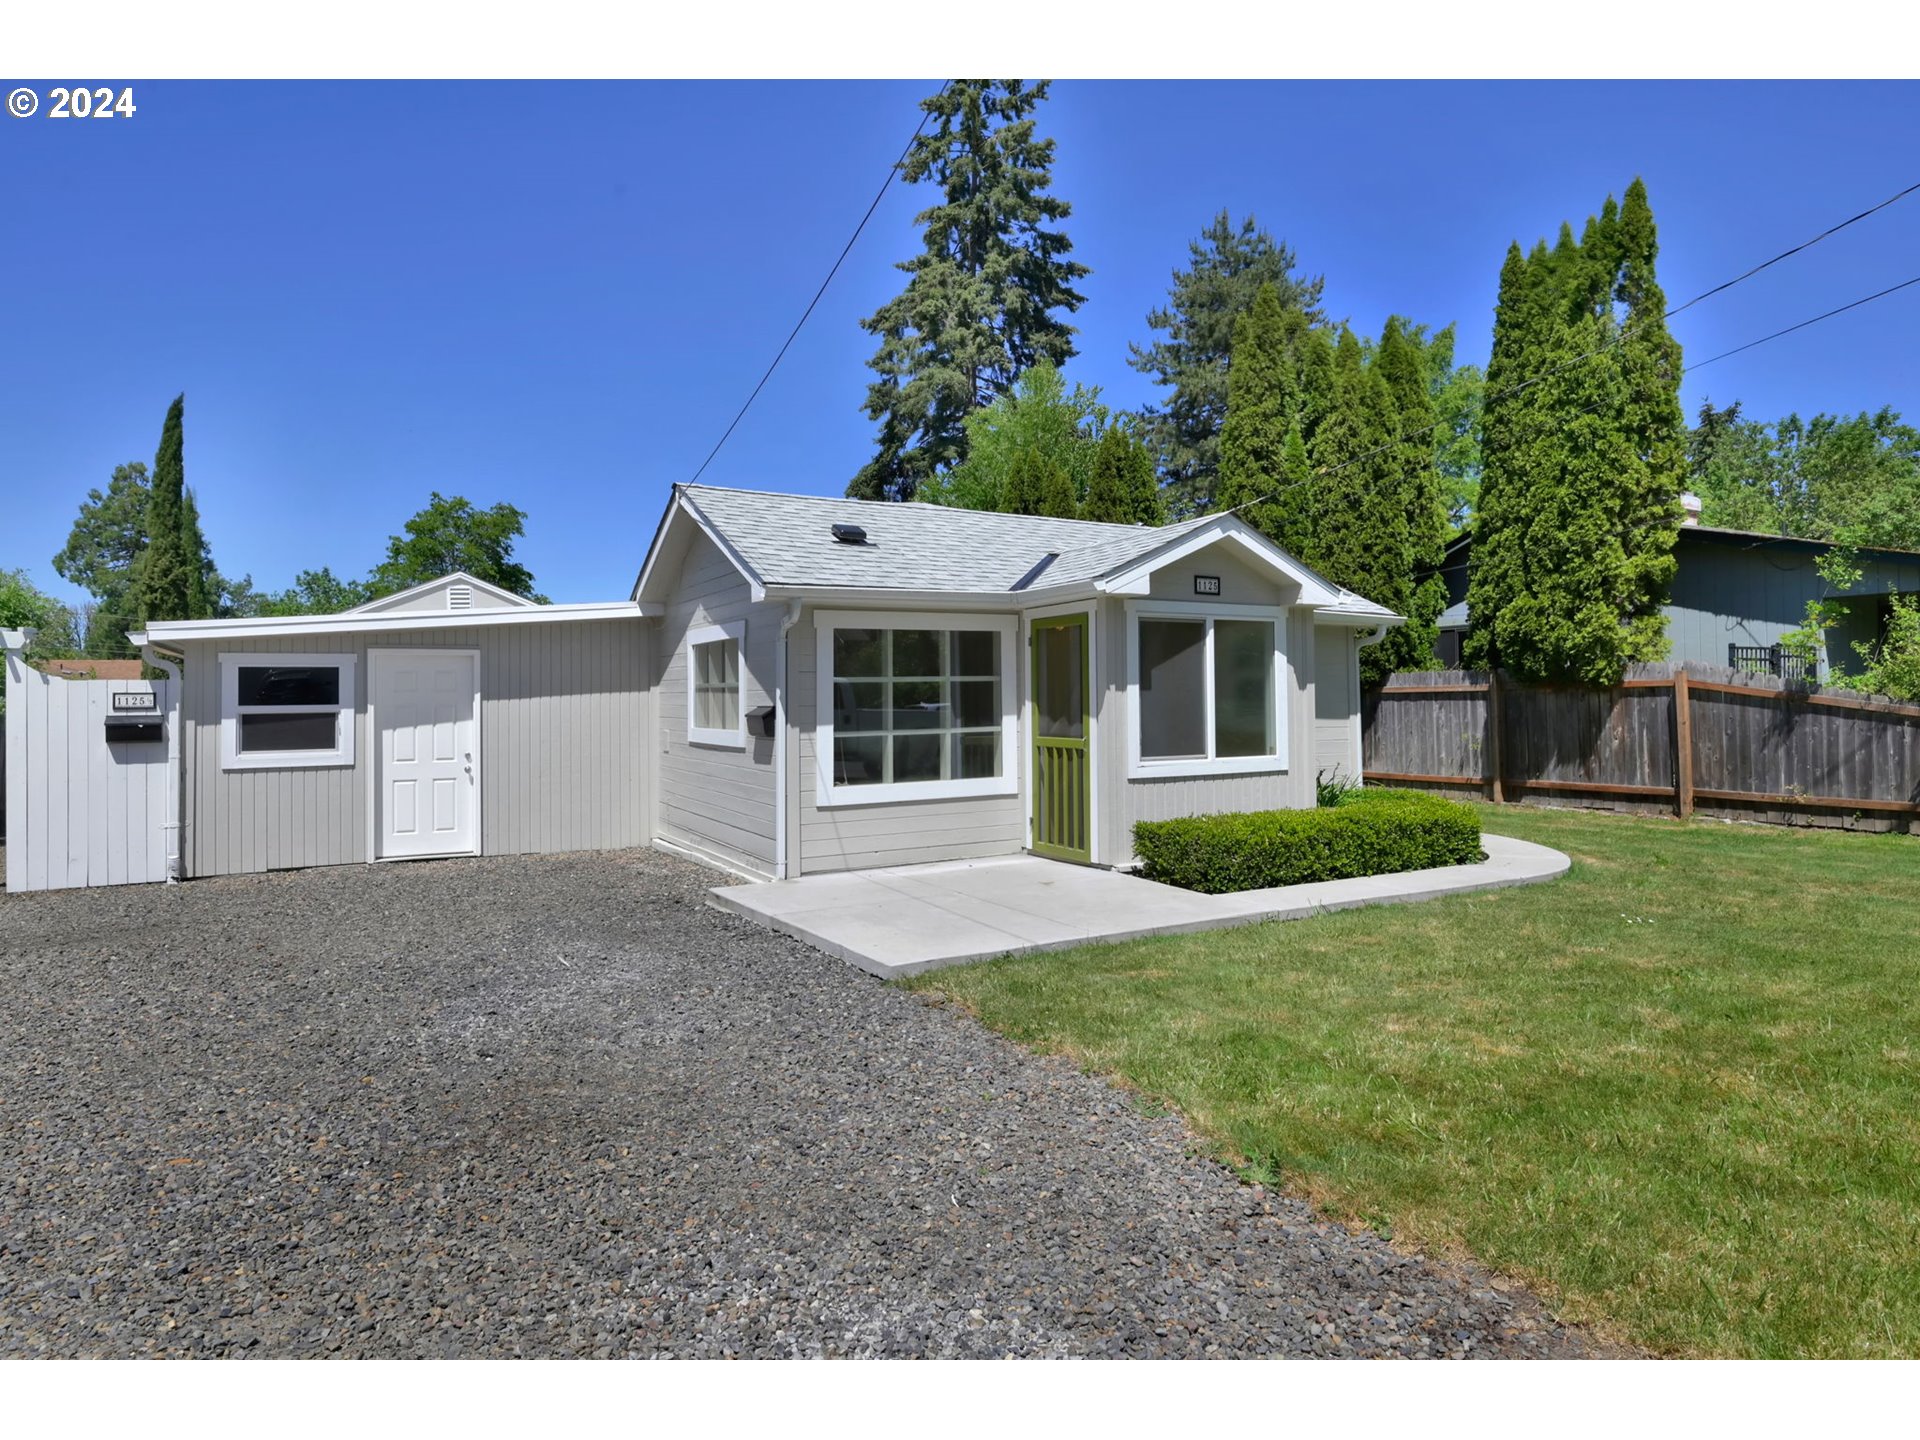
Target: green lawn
1678,1090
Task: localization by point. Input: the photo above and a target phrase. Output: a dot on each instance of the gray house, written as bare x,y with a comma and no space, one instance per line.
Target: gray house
1735,594
795,685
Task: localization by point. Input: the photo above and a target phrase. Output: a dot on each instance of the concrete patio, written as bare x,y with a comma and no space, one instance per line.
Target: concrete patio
911,918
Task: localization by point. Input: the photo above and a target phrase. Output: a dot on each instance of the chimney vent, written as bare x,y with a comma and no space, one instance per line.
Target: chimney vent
1690,502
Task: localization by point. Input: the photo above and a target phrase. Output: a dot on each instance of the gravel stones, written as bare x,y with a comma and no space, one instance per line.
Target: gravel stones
557,1105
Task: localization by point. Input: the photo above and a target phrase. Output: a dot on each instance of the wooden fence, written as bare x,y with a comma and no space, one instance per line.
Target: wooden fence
1670,737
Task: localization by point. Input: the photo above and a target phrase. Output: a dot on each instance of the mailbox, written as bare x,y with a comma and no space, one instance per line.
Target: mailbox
131,730
760,721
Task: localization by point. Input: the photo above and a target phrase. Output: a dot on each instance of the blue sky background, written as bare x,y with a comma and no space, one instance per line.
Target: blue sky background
557,295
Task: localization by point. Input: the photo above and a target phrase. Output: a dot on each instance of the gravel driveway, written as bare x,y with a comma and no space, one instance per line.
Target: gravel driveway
557,1106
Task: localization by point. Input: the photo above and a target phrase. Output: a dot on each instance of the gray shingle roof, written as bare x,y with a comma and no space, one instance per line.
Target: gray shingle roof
788,540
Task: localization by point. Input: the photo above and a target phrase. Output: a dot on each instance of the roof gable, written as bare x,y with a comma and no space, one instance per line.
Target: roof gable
456,591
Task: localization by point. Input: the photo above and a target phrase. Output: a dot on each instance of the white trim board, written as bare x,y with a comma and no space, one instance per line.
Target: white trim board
339,756
717,736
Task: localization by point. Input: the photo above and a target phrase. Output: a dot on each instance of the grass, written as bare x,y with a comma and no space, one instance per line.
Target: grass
1677,1090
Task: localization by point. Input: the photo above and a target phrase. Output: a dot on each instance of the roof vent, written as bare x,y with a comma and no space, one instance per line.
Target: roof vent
850,534
459,597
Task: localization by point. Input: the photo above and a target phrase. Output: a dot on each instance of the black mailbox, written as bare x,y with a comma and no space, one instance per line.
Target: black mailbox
760,721
144,730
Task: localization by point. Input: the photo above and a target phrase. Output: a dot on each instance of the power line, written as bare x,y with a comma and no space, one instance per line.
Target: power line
1853,305
926,114
1832,230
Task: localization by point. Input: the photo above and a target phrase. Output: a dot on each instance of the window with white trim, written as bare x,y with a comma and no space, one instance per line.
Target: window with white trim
1206,690
715,715
285,712
914,707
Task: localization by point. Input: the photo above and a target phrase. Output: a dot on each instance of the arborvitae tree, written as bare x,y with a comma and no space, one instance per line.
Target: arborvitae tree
1584,451
1403,370
1359,519
1141,481
979,305
1056,492
1039,414
1228,267
1263,407
1020,491
164,578
1107,498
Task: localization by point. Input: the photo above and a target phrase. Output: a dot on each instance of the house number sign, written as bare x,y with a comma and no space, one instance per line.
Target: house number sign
134,700
1206,584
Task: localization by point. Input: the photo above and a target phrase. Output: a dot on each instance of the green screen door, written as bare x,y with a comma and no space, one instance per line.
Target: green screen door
1062,778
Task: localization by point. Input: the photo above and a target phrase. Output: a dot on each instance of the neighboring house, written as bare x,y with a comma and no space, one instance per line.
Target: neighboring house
1735,594
796,685
74,668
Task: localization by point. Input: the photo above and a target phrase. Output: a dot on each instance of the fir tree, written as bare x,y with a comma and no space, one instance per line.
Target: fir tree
1229,267
1264,406
203,581
164,577
1056,492
1107,497
1140,479
979,305
1020,491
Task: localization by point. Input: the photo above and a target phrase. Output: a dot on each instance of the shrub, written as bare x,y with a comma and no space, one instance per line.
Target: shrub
1370,832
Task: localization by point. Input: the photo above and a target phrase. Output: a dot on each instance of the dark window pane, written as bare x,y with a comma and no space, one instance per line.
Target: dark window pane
975,652
859,653
1173,716
289,685
859,705
916,757
976,702
917,705
1243,687
976,757
267,733
859,760
1059,699
917,652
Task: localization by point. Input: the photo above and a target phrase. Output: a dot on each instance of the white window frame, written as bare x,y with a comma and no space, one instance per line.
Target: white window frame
1141,768
233,758
724,738
1004,627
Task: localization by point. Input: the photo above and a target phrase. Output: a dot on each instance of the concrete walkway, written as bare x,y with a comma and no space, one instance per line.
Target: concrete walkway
919,917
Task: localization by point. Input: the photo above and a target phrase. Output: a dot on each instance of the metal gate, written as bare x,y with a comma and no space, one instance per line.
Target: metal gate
89,778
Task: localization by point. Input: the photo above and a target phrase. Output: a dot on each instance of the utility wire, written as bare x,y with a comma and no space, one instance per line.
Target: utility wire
1834,230
1621,335
926,114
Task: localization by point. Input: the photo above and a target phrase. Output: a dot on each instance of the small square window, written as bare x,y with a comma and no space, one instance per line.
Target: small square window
714,703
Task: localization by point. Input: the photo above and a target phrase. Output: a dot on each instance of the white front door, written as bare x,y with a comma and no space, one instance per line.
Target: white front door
427,788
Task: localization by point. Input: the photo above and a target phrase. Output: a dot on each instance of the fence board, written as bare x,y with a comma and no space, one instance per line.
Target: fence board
1759,748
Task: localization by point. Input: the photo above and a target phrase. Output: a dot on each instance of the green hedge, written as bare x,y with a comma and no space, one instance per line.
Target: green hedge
1370,832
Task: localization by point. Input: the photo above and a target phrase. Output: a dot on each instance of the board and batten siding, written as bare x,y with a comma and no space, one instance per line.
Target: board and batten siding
714,801
859,837
1336,701
564,718
1124,801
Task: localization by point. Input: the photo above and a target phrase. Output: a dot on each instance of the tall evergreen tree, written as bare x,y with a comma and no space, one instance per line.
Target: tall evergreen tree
1122,487
204,585
1265,405
163,580
1584,453
1404,373
1056,492
1359,514
1228,267
979,305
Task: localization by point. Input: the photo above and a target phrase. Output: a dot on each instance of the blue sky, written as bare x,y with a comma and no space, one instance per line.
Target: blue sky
557,295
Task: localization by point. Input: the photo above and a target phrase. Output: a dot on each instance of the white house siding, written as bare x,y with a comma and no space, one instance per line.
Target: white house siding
855,837
715,802
1123,801
563,724
1336,701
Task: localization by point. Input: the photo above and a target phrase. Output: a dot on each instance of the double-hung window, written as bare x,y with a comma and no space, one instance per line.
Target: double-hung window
914,707
285,712
715,715
1207,690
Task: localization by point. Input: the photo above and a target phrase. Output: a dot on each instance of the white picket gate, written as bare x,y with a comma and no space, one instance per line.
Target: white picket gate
81,809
